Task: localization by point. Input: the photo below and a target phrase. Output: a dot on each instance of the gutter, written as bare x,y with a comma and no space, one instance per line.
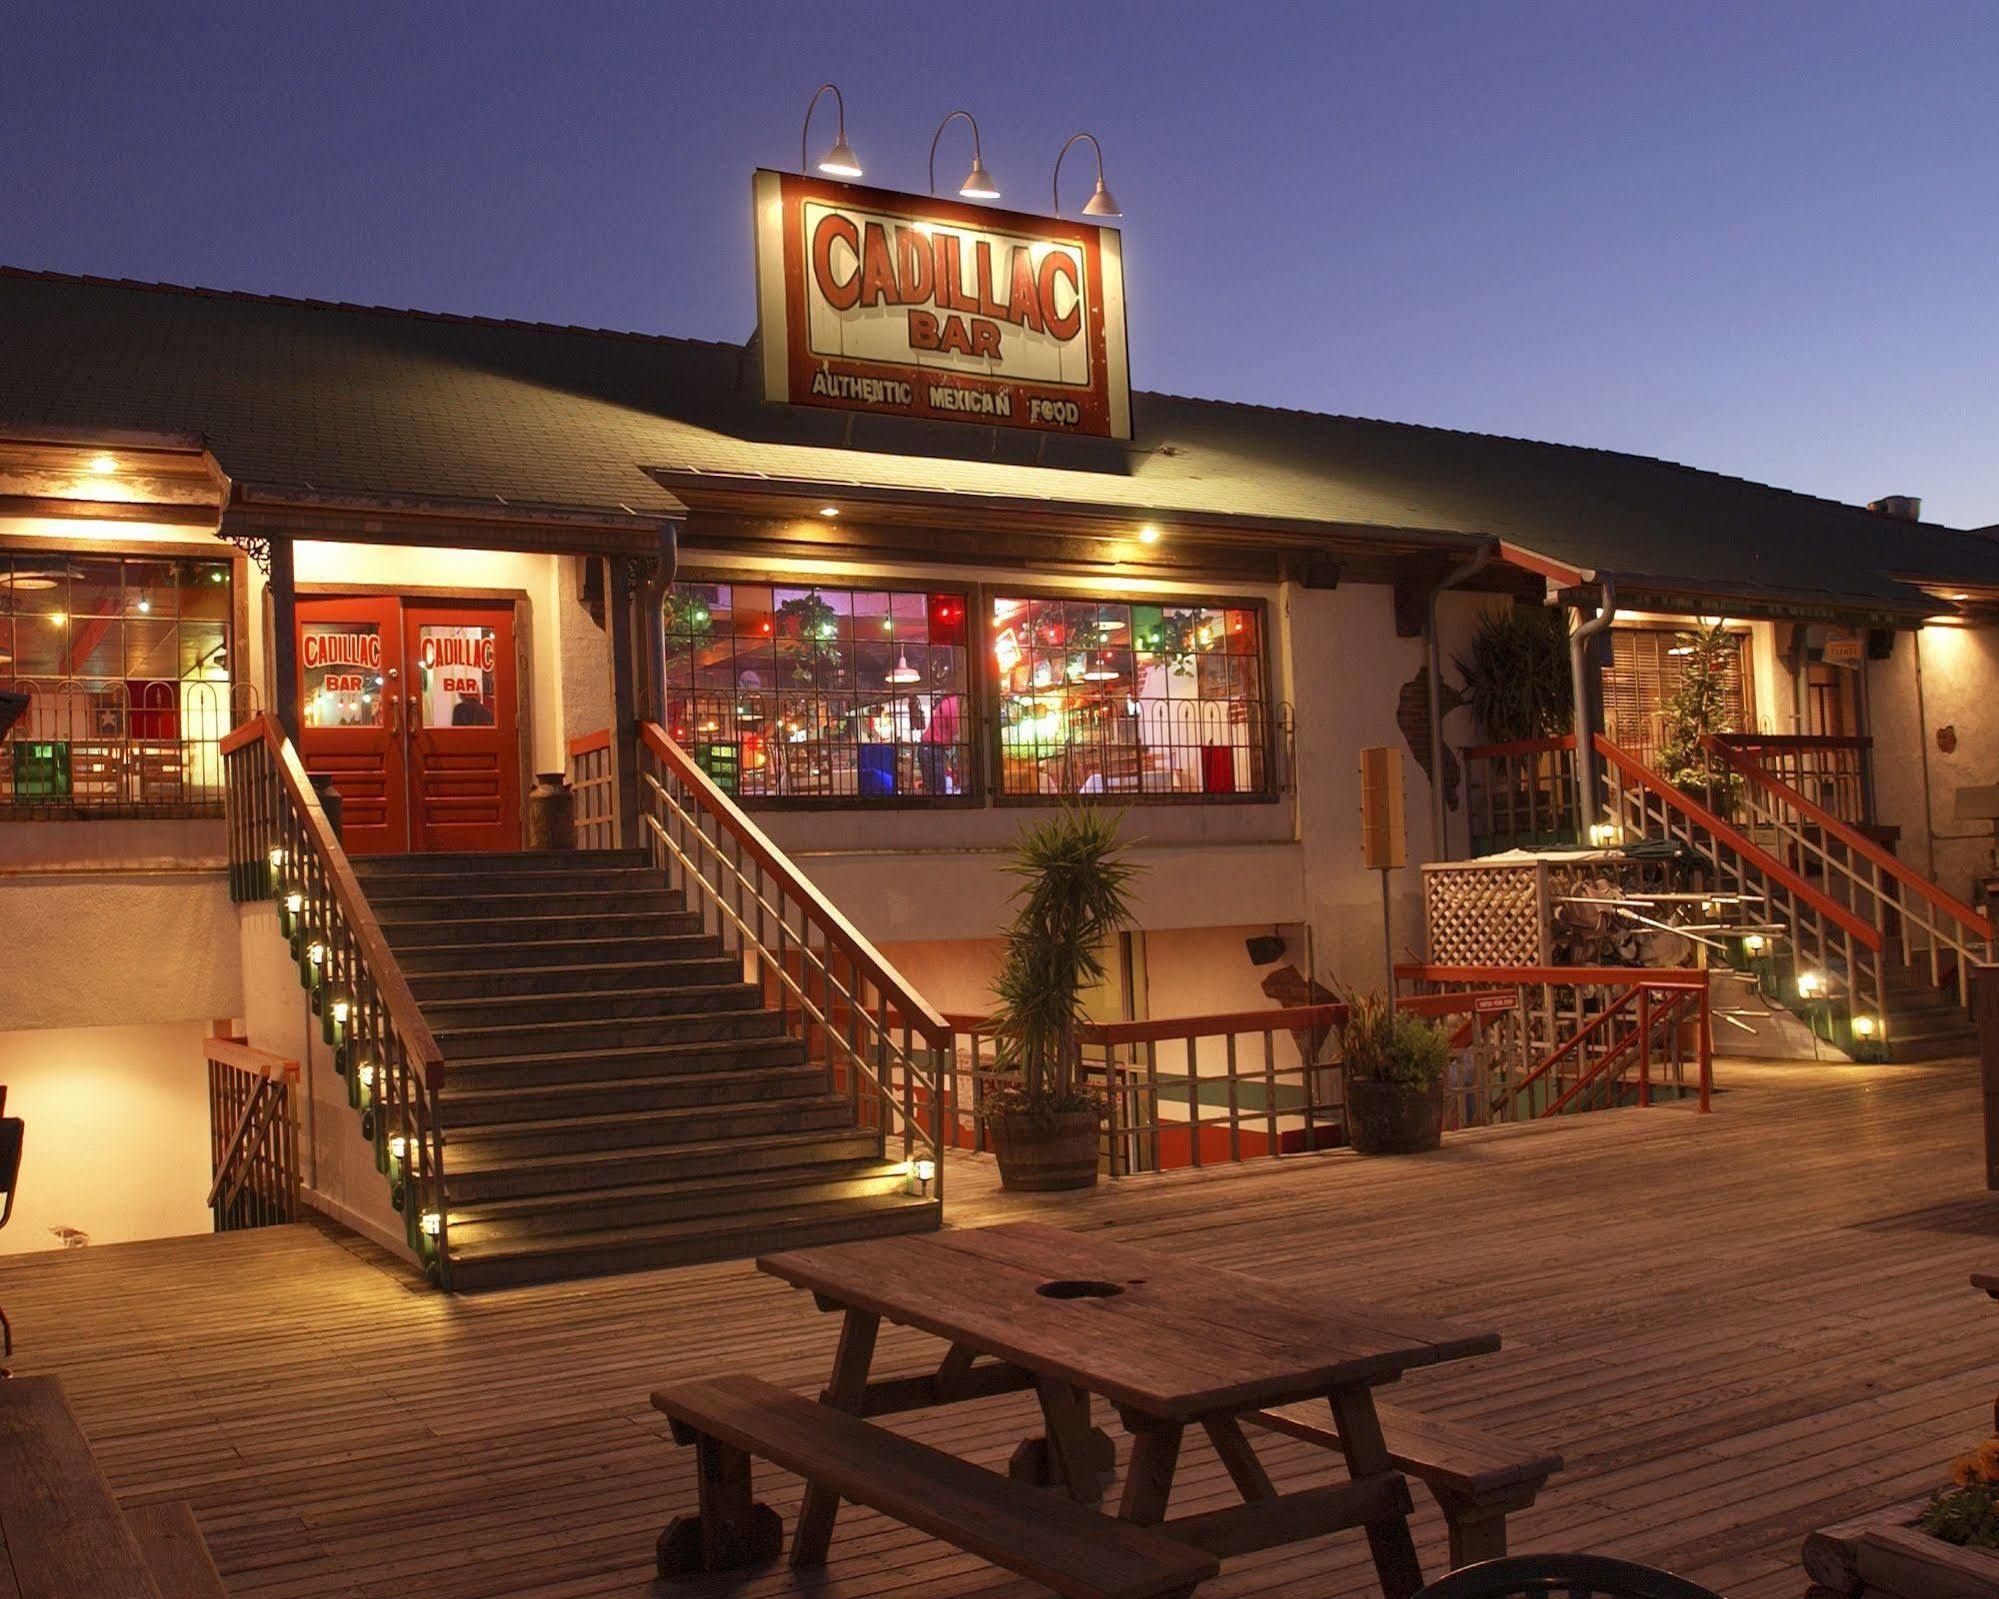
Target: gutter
1463,572
1585,745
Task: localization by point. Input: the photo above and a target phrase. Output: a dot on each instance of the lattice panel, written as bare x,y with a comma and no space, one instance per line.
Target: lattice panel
1481,914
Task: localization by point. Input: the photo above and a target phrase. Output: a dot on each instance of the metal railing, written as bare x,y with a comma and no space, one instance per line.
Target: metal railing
1575,1038
85,749
281,847
253,1136
594,782
1927,925
1832,773
1185,1090
1521,795
1823,955
860,1020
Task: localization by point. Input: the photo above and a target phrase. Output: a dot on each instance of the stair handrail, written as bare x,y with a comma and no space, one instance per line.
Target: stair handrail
283,847
1754,771
1610,1063
1727,834
867,967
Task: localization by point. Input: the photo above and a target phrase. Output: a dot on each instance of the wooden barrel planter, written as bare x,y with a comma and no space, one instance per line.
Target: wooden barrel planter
1389,1119
1046,1153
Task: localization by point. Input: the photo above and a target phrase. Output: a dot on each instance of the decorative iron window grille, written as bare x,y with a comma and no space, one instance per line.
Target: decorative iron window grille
121,669
816,692
1141,700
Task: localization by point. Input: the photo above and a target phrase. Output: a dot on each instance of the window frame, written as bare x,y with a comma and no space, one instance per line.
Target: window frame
977,778
1270,793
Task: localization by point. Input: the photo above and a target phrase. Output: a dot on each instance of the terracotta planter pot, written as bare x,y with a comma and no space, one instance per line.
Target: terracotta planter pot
1388,1119
1046,1154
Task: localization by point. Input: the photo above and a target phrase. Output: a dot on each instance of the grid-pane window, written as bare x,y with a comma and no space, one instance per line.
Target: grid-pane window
1103,697
811,692
1646,664
120,667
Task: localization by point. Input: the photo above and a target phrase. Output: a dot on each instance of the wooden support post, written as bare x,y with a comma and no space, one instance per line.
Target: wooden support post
619,608
283,589
846,1390
731,1529
1367,1456
1985,1006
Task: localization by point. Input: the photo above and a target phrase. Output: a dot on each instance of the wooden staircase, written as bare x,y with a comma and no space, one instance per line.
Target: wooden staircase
615,1095
1923,1021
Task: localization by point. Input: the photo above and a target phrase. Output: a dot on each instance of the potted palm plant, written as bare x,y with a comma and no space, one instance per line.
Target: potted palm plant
1395,1064
1075,891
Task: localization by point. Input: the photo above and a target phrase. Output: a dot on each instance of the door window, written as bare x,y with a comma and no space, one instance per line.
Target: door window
457,676
341,663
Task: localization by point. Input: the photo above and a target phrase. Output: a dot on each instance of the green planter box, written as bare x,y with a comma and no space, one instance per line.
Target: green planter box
41,769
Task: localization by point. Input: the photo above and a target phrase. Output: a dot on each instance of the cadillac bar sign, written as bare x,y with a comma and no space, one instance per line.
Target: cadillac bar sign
872,301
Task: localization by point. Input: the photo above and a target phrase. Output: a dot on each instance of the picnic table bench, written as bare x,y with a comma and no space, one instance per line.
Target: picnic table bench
1167,1342
1074,1551
62,1533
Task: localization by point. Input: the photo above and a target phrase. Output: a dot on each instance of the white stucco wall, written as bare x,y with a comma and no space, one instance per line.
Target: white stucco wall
98,948
117,1142
339,1175
1939,677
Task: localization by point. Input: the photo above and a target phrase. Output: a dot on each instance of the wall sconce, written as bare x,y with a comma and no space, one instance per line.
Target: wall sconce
1865,1027
1753,944
1099,204
979,184
1811,985
840,161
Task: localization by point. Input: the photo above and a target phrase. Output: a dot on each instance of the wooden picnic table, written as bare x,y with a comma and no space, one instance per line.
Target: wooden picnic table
1169,1343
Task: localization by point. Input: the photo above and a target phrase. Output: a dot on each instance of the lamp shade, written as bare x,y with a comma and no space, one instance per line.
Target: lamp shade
1102,204
979,183
840,161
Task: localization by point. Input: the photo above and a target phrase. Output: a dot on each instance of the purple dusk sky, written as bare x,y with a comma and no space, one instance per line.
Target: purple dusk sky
1759,238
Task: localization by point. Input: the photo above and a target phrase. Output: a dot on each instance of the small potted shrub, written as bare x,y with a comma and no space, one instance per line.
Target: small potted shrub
1395,1066
1074,894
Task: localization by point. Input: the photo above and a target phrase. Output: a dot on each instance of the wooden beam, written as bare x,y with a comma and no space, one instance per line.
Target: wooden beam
624,700
283,590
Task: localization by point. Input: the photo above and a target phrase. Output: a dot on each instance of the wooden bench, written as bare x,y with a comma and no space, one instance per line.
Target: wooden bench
1076,1551
1477,1478
62,1534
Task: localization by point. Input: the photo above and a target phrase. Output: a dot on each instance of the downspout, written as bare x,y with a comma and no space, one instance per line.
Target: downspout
655,619
1463,572
1585,746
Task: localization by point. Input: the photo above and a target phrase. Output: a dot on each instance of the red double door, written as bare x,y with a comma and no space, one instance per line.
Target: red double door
412,708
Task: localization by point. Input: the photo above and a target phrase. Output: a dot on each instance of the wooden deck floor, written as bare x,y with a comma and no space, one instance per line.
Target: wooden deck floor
1736,1327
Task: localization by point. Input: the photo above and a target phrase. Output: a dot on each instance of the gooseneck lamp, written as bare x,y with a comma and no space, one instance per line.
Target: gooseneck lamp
1100,204
840,161
979,183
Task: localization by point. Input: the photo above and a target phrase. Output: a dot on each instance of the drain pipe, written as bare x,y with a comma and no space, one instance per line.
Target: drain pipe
1463,572
655,618
1578,667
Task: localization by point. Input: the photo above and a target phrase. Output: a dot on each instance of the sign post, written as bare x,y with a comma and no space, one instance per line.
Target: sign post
912,306
1384,839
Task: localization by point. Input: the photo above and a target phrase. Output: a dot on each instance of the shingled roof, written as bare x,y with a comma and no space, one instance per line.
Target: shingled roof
291,393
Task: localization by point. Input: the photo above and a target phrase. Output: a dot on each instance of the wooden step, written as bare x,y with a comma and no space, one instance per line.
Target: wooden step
445,862
504,1173
564,1135
552,880
634,1060
65,1536
508,1263
592,1004
487,1041
485,957
486,1106
462,904
604,977
684,1200
519,932
175,1552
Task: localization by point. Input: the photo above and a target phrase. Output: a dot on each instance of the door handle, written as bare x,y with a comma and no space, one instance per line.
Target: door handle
394,724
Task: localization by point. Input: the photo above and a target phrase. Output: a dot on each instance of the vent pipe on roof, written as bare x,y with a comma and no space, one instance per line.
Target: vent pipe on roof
1907,507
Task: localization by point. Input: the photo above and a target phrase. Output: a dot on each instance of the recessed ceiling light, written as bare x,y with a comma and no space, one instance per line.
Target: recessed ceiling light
102,465
1148,534
829,510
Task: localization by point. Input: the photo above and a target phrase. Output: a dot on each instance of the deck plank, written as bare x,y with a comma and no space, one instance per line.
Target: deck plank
1733,1327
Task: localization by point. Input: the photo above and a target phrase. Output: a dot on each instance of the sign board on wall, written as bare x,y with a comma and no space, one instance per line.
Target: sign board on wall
905,306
